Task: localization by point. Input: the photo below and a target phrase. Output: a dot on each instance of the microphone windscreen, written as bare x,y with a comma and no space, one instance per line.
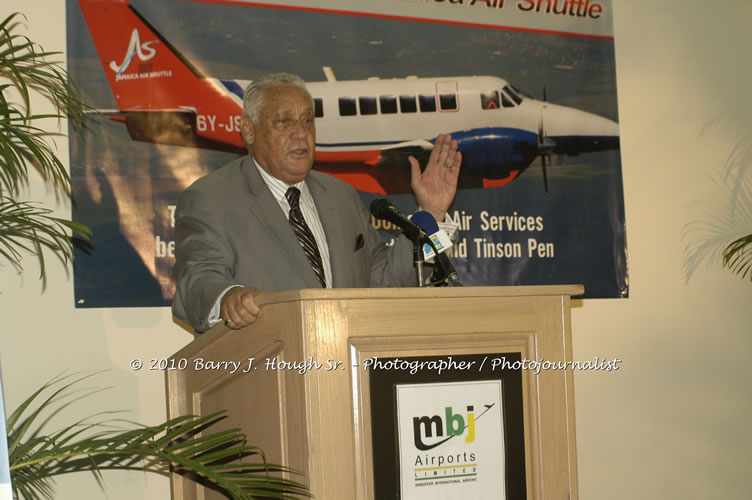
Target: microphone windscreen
379,206
426,221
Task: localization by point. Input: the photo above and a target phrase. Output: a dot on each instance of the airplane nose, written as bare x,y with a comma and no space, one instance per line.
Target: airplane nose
563,121
576,131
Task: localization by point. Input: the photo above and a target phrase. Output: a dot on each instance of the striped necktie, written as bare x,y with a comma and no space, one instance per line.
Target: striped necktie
303,232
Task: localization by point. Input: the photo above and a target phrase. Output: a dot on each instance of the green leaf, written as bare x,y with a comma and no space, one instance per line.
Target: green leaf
723,228
25,145
737,256
183,445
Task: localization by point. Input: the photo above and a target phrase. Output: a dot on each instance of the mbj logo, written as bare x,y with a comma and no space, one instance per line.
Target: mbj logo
144,52
454,424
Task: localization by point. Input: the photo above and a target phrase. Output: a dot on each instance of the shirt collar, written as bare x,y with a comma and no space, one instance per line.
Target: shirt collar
279,187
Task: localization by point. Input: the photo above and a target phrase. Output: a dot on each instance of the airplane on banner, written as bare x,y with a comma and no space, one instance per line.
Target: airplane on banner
365,129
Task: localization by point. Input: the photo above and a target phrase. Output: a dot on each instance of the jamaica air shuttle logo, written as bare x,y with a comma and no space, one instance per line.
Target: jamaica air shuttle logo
144,51
451,439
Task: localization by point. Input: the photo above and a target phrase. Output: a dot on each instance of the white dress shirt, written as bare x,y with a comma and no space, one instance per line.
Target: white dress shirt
310,214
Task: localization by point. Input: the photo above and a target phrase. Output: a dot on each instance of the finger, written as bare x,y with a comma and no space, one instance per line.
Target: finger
233,311
436,151
414,168
249,304
232,318
443,155
456,162
245,317
451,159
235,326
446,153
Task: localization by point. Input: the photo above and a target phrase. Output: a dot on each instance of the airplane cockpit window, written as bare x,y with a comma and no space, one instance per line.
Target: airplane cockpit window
513,93
347,106
368,105
448,102
318,107
506,101
427,102
489,100
388,104
407,104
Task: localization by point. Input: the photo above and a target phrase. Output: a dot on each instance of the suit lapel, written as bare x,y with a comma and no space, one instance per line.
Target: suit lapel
330,213
265,208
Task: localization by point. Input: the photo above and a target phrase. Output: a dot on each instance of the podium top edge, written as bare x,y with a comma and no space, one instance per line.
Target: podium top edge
418,293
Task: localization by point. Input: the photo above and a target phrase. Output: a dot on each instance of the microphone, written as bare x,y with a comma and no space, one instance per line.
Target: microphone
382,208
429,224
440,239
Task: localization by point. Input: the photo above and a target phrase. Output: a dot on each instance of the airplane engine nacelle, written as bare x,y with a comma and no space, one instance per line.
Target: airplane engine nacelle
490,148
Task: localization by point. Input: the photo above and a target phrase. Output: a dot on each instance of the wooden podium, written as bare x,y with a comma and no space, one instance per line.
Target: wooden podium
318,418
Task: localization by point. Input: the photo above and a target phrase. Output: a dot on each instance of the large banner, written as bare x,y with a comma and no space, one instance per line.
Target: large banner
527,87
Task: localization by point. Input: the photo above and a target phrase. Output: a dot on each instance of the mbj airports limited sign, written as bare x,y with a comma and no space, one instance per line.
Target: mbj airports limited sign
451,440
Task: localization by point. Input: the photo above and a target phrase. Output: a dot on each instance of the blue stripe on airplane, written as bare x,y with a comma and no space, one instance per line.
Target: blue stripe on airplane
233,87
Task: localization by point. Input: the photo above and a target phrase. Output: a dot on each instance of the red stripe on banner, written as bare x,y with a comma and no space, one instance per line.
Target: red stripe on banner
368,157
318,10
492,183
361,181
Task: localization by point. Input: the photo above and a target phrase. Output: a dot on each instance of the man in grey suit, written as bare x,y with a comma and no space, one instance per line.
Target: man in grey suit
234,237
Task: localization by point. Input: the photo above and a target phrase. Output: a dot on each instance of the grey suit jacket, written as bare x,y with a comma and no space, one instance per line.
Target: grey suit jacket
229,230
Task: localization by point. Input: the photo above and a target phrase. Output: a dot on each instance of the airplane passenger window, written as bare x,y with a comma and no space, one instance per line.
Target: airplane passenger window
448,102
407,104
367,105
347,106
427,102
388,104
506,101
489,100
318,107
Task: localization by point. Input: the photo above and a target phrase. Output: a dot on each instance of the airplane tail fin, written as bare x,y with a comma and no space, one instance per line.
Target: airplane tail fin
147,74
162,97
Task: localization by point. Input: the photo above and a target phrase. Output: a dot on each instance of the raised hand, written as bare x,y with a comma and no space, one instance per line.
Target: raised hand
436,186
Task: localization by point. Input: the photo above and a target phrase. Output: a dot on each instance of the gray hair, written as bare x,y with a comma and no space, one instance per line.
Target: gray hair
253,98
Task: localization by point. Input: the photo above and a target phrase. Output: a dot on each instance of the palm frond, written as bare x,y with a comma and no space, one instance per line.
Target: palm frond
25,68
30,227
220,460
733,121
737,256
722,221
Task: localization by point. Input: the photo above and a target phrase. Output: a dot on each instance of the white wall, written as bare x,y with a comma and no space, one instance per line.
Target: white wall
671,423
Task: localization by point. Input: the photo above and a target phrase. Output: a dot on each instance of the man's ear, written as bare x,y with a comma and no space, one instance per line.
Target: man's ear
246,130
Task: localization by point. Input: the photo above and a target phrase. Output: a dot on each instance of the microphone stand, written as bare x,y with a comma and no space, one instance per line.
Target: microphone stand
441,276
419,262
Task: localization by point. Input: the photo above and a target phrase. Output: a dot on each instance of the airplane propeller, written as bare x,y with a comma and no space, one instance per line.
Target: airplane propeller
545,145
543,156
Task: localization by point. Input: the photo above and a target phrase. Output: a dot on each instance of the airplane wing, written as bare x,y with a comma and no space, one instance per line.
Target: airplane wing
416,145
170,127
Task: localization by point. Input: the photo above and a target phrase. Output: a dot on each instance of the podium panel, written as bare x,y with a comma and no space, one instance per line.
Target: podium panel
366,391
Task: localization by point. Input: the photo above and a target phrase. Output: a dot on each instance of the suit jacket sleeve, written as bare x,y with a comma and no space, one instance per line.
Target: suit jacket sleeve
204,268
229,230
392,265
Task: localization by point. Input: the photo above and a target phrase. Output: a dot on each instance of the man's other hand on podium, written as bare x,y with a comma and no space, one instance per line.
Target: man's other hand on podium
239,308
